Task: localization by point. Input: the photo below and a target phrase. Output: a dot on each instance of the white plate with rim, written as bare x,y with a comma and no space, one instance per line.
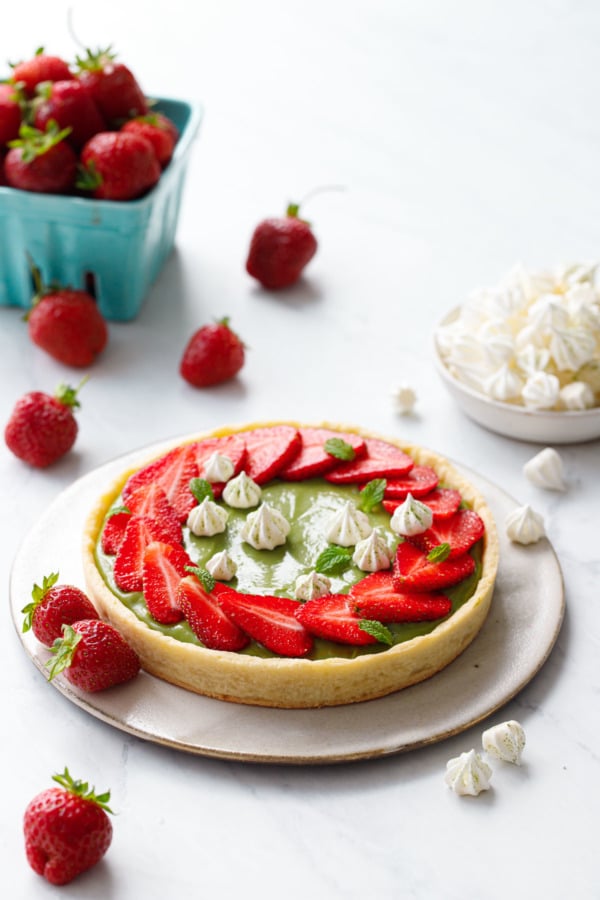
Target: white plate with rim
514,643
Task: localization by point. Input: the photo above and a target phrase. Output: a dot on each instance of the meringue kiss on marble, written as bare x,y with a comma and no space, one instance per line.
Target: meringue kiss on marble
545,470
505,741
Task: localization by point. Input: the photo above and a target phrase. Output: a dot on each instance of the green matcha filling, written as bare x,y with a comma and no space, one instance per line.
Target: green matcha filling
308,506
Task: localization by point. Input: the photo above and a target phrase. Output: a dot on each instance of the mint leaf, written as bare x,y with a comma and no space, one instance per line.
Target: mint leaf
372,494
201,489
377,630
339,448
439,553
333,560
203,576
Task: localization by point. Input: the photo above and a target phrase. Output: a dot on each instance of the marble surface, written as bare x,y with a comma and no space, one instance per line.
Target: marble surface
465,139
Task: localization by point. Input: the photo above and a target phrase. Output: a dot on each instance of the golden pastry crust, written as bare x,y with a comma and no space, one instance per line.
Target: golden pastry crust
301,683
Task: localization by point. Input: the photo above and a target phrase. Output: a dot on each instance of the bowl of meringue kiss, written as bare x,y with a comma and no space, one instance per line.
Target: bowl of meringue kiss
523,358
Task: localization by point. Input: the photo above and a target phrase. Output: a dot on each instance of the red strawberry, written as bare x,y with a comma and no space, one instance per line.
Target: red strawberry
382,460
67,830
159,130
270,450
421,480
173,473
375,597
460,531
54,605
213,354
70,104
42,428
269,620
232,446
331,617
41,161
313,459
93,656
280,248
129,562
415,573
112,85
151,501
66,323
114,531
10,114
206,617
163,568
117,166
42,67
443,502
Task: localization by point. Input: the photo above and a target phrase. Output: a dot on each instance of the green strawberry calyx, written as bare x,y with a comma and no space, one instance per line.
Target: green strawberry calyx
95,60
34,143
63,651
38,593
88,177
67,395
83,790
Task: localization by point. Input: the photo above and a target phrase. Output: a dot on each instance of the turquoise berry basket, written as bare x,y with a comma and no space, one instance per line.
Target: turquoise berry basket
113,249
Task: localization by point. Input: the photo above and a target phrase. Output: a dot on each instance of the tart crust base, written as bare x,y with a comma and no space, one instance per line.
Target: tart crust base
300,683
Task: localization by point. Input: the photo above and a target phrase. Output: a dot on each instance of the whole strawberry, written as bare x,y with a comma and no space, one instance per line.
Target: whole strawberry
66,323
93,656
10,114
71,105
54,605
159,130
280,249
42,428
116,165
213,354
112,85
41,161
41,67
66,829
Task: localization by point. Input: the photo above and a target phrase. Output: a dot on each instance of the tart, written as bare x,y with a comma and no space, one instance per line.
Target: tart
309,476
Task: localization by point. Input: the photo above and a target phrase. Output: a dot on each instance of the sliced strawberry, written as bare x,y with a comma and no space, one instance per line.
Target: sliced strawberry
414,573
269,450
375,597
162,570
442,502
313,460
460,531
269,620
382,460
421,480
173,472
232,446
150,500
331,617
129,561
206,617
114,531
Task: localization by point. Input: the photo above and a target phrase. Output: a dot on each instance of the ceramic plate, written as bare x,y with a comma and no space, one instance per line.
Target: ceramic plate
515,641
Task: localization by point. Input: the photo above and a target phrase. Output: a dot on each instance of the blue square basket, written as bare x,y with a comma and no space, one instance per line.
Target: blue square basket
115,249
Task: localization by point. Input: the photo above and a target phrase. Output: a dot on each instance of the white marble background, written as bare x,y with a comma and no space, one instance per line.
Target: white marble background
467,138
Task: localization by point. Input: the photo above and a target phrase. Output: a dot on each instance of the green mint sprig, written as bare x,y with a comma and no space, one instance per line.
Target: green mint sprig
340,449
372,494
333,560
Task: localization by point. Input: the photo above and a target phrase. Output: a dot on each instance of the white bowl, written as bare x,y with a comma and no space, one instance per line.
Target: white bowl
536,425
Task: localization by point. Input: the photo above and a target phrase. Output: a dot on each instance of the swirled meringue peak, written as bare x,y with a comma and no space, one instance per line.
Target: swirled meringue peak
221,566
311,585
468,774
405,398
218,468
266,528
576,395
545,470
411,517
524,526
348,526
505,741
207,518
372,554
242,492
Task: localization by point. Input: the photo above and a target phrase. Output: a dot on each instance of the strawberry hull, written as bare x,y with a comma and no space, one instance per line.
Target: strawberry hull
113,249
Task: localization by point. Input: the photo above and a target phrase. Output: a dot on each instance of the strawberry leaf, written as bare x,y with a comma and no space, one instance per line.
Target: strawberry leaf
372,494
377,630
439,553
333,560
339,448
201,489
